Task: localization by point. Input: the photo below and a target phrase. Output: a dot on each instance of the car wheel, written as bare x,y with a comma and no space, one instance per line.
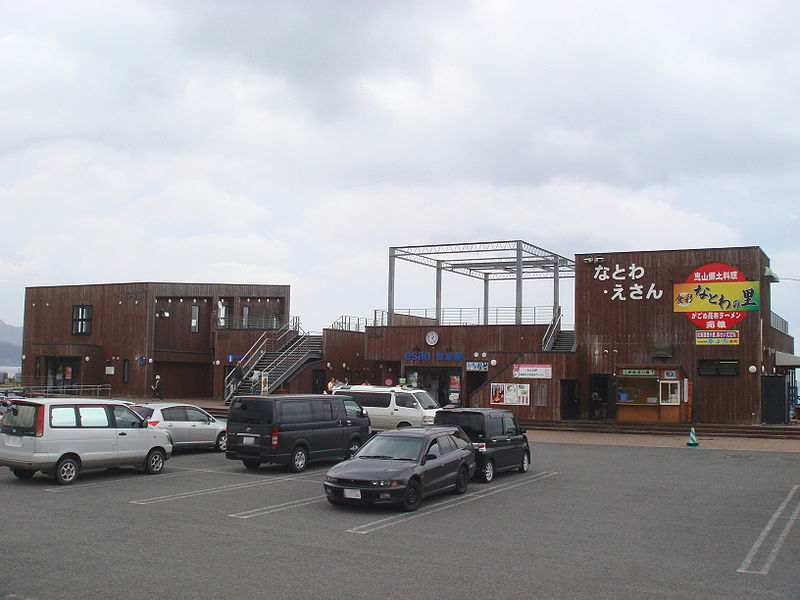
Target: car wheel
526,462
154,463
299,460
251,464
222,442
487,472
462,481
22,473
355,446
400,425
66,471
412,497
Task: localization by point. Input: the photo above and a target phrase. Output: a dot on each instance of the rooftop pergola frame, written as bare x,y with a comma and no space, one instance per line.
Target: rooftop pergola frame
487,261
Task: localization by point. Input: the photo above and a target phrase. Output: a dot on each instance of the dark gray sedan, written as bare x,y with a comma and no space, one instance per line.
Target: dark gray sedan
402,466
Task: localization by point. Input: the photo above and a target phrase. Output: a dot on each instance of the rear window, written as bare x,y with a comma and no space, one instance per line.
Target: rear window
470,423
251,411
20,418
143,411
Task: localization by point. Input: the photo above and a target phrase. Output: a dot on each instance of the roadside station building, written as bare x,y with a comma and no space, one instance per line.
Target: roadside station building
672,336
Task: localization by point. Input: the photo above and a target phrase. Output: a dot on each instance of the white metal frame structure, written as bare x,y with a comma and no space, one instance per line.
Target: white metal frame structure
486,261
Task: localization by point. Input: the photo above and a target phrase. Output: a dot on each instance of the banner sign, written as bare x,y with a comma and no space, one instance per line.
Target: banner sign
532,371
511,393
728,337
638,372
477,366
716,296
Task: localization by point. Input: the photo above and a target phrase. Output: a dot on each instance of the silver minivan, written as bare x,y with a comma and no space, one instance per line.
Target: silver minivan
63,436
390,407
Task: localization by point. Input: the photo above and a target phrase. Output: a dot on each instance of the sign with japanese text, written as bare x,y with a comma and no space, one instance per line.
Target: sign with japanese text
532,371
638,372
716,337
716,296
627,281
511,393
477,366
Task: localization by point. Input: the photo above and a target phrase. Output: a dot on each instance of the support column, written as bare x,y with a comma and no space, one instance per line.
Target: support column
556,290
390,305
438,292
518,305
485,298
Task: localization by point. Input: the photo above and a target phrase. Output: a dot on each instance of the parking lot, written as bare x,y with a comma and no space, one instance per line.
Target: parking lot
587,521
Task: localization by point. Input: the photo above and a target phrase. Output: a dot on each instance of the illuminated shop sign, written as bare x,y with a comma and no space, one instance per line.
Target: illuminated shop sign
433,356
716,296
714,338
477,366
532,371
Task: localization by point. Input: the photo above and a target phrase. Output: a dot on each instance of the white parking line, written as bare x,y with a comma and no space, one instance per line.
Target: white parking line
266,510
80,486
748,560
214,490
447,504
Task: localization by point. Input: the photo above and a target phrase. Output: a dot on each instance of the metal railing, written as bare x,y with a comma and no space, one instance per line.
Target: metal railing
501,315
58,391
552,331
240,322
779,323
348,323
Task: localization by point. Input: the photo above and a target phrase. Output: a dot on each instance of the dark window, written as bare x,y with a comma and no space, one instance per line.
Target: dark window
471,423
495,426
510,425
196,415
370,399
125,418
176,413
445,445
323,411
37,367
718,367
126,370
194,326
459,441
296,412
143,411
250,411
434,449
245,317
81,320
352,408
405,401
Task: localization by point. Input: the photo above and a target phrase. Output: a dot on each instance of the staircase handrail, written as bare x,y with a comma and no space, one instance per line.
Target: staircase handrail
552,331
258,349
296,353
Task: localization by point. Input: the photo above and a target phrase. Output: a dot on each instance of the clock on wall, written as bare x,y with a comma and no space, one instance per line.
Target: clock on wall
432,338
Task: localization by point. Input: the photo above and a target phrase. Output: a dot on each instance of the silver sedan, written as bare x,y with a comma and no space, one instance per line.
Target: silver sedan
190,426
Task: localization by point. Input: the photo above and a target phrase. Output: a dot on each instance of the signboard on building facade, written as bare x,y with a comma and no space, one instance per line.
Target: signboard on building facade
713,338
477,366
532,371
511,394
716,296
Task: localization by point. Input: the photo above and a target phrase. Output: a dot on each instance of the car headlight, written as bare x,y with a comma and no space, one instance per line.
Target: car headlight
330,479
385,483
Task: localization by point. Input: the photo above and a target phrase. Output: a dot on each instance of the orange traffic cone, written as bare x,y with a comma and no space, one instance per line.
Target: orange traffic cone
692,439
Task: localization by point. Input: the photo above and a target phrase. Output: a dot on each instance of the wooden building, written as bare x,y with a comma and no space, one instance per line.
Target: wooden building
123,334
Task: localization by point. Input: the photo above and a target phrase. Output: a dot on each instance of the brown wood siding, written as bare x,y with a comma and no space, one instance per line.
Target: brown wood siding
614,333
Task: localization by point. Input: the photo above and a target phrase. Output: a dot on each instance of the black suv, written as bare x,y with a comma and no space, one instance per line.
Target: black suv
499,441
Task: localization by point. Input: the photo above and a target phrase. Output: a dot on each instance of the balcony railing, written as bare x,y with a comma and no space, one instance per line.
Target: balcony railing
501,315
240,322
779,323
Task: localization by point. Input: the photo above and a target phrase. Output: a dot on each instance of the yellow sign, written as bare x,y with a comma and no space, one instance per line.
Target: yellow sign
715,296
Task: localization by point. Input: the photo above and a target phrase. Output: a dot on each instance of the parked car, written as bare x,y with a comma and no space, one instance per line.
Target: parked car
63,436
293,430
190,426
500,443
391,407
402,466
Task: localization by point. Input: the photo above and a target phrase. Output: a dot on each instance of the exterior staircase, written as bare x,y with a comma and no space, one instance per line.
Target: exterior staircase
564,342
277,355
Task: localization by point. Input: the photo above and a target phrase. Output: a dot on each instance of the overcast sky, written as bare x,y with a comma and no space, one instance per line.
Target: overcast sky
294,142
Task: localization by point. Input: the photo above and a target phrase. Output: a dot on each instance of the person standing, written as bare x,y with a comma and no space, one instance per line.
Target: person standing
331,384
156,387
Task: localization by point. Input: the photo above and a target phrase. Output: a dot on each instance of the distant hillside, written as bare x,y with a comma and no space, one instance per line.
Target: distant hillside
10,334
10,354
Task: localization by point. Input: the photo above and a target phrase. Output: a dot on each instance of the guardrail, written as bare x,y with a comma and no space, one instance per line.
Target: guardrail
52,391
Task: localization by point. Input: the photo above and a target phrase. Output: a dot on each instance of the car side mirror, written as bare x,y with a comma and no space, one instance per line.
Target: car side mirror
363,413
430,456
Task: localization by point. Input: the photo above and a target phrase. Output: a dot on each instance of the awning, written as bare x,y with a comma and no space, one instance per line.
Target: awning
784,359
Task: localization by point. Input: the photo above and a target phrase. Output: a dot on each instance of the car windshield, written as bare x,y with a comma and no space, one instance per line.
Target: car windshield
391,447
143,411
426,400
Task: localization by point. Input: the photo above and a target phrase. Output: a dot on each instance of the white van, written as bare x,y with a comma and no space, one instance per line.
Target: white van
63,436
390,407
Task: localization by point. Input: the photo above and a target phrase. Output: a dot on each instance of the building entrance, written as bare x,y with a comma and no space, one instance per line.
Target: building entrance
63,372
443,383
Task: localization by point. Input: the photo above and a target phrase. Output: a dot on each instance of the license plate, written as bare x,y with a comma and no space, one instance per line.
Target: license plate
248,441
353,494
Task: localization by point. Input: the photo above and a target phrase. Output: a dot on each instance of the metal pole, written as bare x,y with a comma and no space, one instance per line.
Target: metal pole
518,307
485,298
556,286
438,292
390,307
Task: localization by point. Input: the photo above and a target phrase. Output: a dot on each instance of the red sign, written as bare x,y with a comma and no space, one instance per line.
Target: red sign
716,319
